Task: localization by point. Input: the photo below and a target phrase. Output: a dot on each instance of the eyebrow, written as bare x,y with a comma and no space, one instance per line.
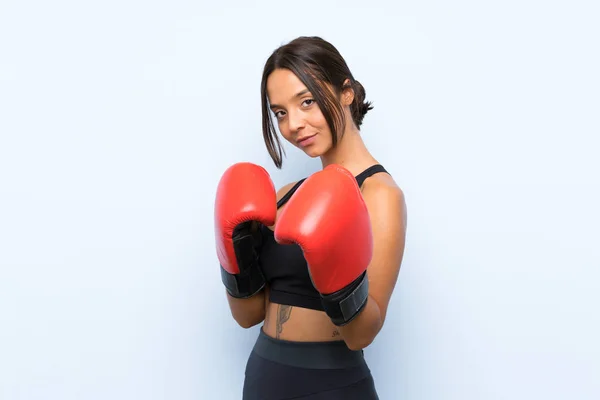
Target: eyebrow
300,93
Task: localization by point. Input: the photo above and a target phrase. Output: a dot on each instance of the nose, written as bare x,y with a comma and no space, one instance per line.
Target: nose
295,121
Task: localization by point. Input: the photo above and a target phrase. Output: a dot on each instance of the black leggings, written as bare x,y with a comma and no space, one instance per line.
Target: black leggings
279,369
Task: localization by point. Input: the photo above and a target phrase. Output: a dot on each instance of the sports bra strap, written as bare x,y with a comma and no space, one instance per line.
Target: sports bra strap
289,194
360,178
372,170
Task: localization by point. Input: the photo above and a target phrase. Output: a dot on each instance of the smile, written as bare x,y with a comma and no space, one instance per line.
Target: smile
306,140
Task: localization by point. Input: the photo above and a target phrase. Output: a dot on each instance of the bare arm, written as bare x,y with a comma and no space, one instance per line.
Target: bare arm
248,312
387,210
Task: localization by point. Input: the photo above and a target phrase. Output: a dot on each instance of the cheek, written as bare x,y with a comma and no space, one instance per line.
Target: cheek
317,120
283,129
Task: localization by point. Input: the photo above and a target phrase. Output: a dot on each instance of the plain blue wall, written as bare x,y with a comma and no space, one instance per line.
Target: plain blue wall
118,117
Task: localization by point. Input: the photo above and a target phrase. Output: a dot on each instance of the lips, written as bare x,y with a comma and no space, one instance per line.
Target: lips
302,139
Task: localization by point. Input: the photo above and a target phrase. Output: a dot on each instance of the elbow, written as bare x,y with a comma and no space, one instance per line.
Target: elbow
247,312
359,343
247,323
247,320
363,336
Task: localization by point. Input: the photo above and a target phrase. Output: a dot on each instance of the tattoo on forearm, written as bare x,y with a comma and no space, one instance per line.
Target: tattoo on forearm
283,314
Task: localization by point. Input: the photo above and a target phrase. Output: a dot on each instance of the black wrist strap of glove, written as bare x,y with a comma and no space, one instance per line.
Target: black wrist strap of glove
245,284
250,280
344,305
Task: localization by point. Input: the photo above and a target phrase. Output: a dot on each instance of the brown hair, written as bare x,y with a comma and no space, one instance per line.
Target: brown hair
315,62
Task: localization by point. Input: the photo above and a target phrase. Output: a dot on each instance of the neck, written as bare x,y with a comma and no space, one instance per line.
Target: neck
350,152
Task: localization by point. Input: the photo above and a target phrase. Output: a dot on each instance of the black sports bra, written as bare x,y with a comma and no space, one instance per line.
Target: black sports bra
284,266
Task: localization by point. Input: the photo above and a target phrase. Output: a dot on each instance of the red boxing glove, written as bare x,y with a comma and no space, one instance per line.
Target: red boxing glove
328,218
245,194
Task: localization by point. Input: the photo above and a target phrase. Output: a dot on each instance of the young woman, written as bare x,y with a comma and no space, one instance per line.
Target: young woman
317,260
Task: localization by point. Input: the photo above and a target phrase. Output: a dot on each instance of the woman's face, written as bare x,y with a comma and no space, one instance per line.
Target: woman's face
298,116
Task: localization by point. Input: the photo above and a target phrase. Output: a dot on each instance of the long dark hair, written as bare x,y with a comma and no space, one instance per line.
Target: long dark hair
315,62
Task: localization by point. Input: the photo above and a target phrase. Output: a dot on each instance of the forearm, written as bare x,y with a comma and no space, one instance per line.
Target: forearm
249,311
362,330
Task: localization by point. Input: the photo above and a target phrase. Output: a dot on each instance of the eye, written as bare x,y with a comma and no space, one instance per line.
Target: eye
308,102
279,114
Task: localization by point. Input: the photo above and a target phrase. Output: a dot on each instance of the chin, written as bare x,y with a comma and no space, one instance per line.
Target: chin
316,149
313,151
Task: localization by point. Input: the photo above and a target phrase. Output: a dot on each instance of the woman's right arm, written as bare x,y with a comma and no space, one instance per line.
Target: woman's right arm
248,312
251,311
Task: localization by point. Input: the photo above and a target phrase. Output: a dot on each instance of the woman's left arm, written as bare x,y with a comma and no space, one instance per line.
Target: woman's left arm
387,212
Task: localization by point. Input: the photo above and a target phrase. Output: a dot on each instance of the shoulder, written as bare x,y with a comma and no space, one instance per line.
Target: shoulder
386,205
284,189
383,196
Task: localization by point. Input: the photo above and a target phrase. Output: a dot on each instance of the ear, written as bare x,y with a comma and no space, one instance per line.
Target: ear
347,93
